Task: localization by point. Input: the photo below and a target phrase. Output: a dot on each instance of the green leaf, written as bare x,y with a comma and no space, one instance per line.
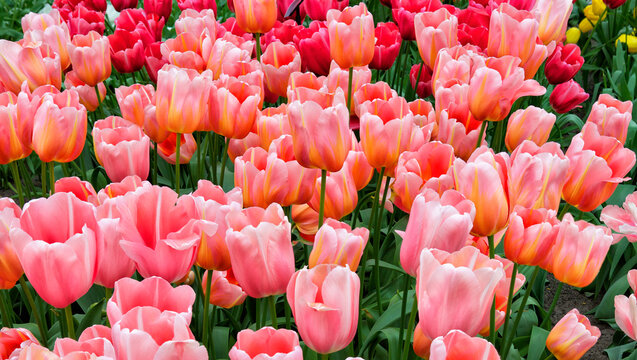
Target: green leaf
537,343
95,294
388,317
615,353
91,317
606,307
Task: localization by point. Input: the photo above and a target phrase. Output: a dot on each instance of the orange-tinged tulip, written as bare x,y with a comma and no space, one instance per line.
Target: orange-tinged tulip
611,116
454,66
579,251
453,132
572,336
626,308
16,126
553,18
423,111
49,29
279,61
435,30
220,52
531,236
336,243
306,221
150,126
133,100
87,94
91,58
184,51
359,167
339,78
233,108
238,147
369,92
320,130
532,123
181,99
14,340
199,23
341,195
512,32
271,123
11,74
422,343
299,83
224,289
59,127
10,268
597,165
456,345
168,148
483,180
351,36
255,16
83,190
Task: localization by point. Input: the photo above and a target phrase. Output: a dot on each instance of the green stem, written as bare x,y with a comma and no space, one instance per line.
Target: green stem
224,161
509,299
34,309
410,328
547,319
497,137
18,182
325,356
257,37
322,198
206,303
213,356
349,89
177,162
52,177
108,292
69,321
288,315
272,301
6,317
508,338
212,139
403,307
43,178
564,211
379,222
483,127
491,246
415,88
99,100
551,356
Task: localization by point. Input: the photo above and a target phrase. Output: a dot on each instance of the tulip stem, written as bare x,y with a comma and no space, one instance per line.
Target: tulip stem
257,37
379,222
403,308
69,321
133,76
212,143
213,356
206,303
410,327
34,309
52,177
18,182
177,162
99,100
415,87
325,356
272,301
287,316
349,89
224,161
322,203
6,318
551,356
509,300
497,137
483,127
547,319
508,338
43,178
590,36
564,211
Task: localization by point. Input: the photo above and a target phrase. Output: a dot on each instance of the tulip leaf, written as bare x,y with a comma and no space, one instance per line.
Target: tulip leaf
616,353
91,317
537,343
95,294
388,317
606,307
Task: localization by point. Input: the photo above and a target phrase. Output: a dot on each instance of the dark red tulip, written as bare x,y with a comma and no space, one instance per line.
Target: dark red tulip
424,81
120,5
563,64
127,51
473,25
387,47
567,96
161,8
153,60
404,12
282,31
613,4
197,5
314,45
147,26
82,20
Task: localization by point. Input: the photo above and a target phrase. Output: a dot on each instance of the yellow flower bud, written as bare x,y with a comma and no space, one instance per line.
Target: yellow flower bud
586,25
572,35
630,40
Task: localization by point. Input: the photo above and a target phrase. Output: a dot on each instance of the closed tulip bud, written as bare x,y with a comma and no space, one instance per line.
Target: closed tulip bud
611,116
255,16
90,57
279,61
133,100
224,289
324,302
313,44
120,5
572,336
572,35
531,236
351,36
50,29
127,51
404,12
622,220
626,309
160,8
512,32
16,126
336,243
266,343
567,96
260,250
434,31
341,195
439,222
552,16
614,4
563,64
533,123
387,47
456,345
597,165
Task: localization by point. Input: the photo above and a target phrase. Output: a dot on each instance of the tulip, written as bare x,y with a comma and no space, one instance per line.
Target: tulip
351,40
266,343
572,336
317,9
10,268
13,339
553,19
153,61
220,52
434,31
83,20
341,195
422,110
87,94
320,130
59,127
200,23
614,4
159,136
611,116
404,12
122,148
537,176
184,51
358,168
597,165
336,243
233,108
306,221
60,264
482,180
272,123
422,85
454,133
629,40
16,127
121,5
369,92
567,96
34,351
181,99
531,236
441,276
324,302
90,57
160,8
339,78
579,251
260,250
238,147
255,16
94,341
622,220
512,32
313,44
532,124
147,25
387,47
447,226
563,64
127,51
50,29
133,100
35,63
224,289
279,61
197,5
83,190
457,345
626,308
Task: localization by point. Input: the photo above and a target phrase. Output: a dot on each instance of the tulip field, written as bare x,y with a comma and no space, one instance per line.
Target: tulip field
318,179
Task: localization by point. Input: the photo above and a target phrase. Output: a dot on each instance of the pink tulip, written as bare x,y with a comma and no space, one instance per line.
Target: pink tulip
324,302
67,348
622,220
351,36
339,78
279,61
133,100
455,133
10,268
442,276
341,194
35,63
90,57
553,18
16,126
436,222
224,289
336,243
626,308
531,236
154,292
532,124
434,31
184,51
50,29
260,249
572,336
88,96
233,108
83,190
168,148
266,343
271,123
369,92
220,52
56,245
456,345
121,188
611,116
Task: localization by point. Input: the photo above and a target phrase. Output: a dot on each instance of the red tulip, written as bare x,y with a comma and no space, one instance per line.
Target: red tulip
283,6
127,51
567,96
148,26
563,64
154,60
387,46
423,85
404,12
13,339
317,9
197,5
120,5
614,4
314,46
160,8
83,20
282,31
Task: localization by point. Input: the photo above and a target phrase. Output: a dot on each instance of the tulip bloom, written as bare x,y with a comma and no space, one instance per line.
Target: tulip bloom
572,336
35,63
457,345
83,190
127,51
147,25
16,127
133,100
317,9
404,12
532,124
434,31
83,20
10,267
184,51
50,29
260,250
567,96
59,127
112,262
387,47
512,32
224,289
336,243
59,264
271,124
154,60
531,236
597,165
370,92
622,220
441,276
13,339
553,19
320,130
255,16
265,344
563,64
579,251
160,8
313,44
611,116
233,108
90,57
351,39
422,84
122,148
324,302
626,308
279,61
440,222
88,96
197,5
341,194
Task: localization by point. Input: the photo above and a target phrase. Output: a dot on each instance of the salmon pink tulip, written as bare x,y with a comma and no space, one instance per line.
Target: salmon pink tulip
435,31
68,348
224,289
512,32
90,57
271,124
184,51
279,61
622,220
133,100
10,268
453,132
626,308
572,336
16,126
341,194
552,16
88,96
83,190
50,29
611,116
531,236
266,343
255,16
336,243
351,36
404,12
369,92
456,345
167,148
532,123
13,339
233,108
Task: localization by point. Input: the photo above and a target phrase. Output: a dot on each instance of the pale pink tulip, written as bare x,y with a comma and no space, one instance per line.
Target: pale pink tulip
572,336
266,343
336,243
611,116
